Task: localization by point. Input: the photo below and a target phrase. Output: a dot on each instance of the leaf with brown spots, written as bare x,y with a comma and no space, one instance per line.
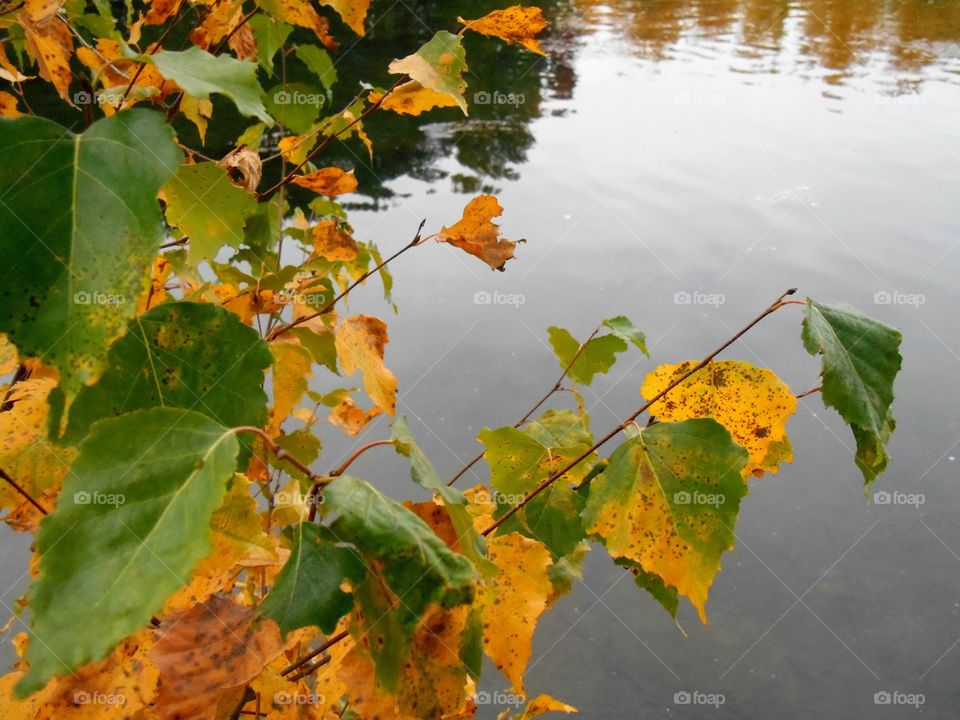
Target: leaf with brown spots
50,43
412,98
477,234
360,343
291,368
352,12
329,181
669,501
8,105
514,601
333,242
515,24
350,418
752,403
301,13
206,657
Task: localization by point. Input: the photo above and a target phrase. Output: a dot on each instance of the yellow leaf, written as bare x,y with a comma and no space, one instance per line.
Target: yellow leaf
8,105
50,43
160,10
752,403
412,98
219,20
353,12
543,704
300,12
244,167
333,243
8,71
198,111
207,655
476,234
291,368
243,43
8,355
360,343
515,601
42,10
296,147
515,24
157,293
331,181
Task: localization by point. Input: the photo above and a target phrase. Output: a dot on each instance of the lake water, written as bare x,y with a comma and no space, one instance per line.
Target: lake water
717,152
672,150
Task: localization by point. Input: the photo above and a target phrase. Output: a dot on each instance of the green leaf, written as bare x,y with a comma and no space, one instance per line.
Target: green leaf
668,597
307,590
624,329
79,228
271,35
423,473
295,105
861,358
321,345
521,460
207,207
597,356
194,356
668,501
200,74
438,65
132,521
418,569
319,62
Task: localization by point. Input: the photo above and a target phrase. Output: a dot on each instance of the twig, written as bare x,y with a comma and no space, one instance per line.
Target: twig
335,473
21,374
325,645
24,493
811,391
773,307
310,668
278,451
243,21
329,306
140,68
556,388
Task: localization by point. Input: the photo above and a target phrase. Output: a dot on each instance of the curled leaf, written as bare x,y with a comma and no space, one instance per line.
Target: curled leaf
330,181
515,24
360,342
478,235
438,65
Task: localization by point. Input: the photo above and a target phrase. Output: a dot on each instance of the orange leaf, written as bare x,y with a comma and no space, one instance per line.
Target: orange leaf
353,12
412,98
50,44
360,343
330,181
350,418
333,243
160,10
207,656
478,235
8,105
514,24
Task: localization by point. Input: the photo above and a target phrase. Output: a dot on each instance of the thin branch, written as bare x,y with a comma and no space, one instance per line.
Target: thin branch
278,452
773,307
310,669
335,473
811,391
243,21
24,493
325,645
140,68
557,387
21,373
329,306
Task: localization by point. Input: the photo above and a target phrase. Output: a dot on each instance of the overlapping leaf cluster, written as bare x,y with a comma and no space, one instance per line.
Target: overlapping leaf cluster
168,366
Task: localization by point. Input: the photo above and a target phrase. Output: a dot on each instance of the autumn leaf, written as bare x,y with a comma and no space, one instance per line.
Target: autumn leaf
332,242
302,14
439,66
8,105
244,167
290,372
669,501
752,403
350,418
412,98
50,43
514,601
209,683
330,181
360,343
540,705
516,24
476,233
160,10
353,12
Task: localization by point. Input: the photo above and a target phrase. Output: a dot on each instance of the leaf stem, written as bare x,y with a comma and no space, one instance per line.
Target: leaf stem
16,486
557,387
329,306
811,391
773,307
335,473
277,451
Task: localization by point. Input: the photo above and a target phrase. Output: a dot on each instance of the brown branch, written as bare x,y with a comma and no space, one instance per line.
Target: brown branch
556,388
24,493
325,645
811,391
22,372
773,307
278,452
243,21
277,332
330,138
335,473
140,68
